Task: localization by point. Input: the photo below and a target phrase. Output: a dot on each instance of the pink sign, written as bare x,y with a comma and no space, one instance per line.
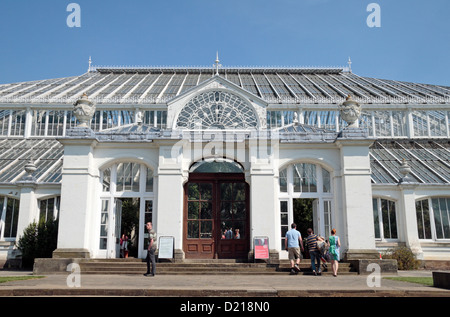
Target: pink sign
262,248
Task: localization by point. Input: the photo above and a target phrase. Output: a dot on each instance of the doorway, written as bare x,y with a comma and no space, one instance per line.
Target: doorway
304,212
130,225
216,216
303,209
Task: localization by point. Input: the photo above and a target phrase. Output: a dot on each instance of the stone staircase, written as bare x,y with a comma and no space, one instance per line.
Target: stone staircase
191,267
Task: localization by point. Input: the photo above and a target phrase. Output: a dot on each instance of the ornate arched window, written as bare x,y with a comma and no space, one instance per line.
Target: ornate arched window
217,110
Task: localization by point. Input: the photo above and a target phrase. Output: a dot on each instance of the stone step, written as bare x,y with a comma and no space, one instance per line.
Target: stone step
210,267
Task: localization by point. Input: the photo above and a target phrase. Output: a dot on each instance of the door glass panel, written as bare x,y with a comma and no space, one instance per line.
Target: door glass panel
206,191
206,230
233,213
225,210
240,211
206,212
192,229
200,211
193,191
193,209
239,192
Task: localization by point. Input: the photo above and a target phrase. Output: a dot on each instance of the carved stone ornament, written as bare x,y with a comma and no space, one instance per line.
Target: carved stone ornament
350,111
84,110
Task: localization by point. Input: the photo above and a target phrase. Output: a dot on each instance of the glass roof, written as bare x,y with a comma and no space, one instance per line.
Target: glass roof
276,85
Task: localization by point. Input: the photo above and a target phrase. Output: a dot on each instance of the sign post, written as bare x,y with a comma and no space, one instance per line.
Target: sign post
165,250
261,247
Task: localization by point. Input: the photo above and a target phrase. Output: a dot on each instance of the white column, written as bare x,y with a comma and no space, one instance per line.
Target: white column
78,194
407,213
359,238
169,218
264,205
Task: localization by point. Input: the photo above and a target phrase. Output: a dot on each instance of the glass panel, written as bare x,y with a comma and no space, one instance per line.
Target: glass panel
420,123
149,181
327,217
284,221
239,192
12,215
107,180
206,210
283,181
392,220
226,191
305,178
382,123
437,218
326,180
240,211
399,123
148,217
193,231
193,191
206,191
226,210
128,177
206,230
104,225
423,219
437,123
441,217
193,209
2,201
376,219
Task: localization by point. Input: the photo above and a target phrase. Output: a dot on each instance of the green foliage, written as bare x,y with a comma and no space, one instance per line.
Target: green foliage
38,241
406,260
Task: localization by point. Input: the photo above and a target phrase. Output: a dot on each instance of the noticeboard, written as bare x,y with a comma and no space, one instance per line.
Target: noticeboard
261,245
165,249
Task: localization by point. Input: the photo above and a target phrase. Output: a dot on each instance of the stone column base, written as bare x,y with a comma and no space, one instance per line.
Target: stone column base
178,255
358,254
71,253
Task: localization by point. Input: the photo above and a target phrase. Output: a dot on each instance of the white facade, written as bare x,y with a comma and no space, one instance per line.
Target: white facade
150,153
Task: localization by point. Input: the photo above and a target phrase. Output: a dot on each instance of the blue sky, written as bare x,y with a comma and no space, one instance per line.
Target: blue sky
412,44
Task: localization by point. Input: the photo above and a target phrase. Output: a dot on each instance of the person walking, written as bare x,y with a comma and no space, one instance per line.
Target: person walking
292,244
151,270
314,253
334,250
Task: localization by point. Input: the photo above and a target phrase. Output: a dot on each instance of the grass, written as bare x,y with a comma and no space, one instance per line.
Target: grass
4,279
427,281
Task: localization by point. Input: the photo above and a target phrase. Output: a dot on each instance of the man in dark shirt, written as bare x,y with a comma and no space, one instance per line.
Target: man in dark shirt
314,253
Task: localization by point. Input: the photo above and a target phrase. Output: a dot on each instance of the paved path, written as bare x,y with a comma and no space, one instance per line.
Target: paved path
219,285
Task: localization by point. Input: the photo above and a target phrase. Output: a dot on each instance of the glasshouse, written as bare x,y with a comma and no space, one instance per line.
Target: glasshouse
217,157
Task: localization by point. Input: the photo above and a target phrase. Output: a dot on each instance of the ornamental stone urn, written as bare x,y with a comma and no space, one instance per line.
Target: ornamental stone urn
29,168
350,111
405,170
84,110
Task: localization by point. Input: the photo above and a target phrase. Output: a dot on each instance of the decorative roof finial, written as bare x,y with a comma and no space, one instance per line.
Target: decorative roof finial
90,64
217,63
349,64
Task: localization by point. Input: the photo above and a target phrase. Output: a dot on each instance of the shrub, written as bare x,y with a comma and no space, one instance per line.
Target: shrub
406,260
38,241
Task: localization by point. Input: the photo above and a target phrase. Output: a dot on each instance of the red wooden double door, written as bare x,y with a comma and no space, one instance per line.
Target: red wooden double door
216,216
